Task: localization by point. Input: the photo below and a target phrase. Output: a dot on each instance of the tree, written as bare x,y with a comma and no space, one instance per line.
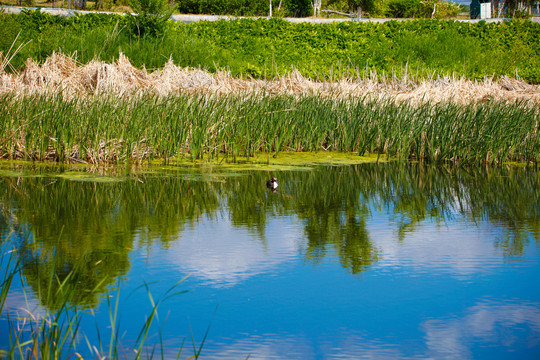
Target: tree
361,5
355,5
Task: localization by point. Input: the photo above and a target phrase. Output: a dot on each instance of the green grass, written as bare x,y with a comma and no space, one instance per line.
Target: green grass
271,48
115,130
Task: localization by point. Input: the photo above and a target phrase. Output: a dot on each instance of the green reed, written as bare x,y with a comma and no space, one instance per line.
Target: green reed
110,129
54,330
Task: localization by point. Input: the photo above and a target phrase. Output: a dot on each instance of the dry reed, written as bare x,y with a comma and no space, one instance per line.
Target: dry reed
62,73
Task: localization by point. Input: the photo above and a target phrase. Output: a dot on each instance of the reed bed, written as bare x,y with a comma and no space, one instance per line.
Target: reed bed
62,73
112,129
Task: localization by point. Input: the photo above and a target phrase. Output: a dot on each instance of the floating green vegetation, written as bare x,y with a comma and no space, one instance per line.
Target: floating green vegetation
70,172
83,176
207,169
286,161
264,130
11,173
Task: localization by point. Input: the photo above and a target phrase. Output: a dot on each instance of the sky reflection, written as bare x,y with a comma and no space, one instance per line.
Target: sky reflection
456,247
222,254
509,324
491,324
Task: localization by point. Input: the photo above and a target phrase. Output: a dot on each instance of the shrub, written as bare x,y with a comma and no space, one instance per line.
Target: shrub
297,8
224,7
151,19
404,8
443,9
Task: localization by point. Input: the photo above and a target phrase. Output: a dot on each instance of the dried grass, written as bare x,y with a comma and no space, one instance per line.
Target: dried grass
62,73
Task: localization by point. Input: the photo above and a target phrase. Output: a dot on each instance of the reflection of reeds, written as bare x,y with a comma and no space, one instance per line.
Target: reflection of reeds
107,220
117,129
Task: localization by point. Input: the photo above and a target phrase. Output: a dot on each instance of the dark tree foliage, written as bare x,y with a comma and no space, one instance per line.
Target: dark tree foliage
404,8
365,5
298,8
224,7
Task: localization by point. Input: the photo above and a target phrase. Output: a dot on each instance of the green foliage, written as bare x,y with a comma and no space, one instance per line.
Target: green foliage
404,8
444,9
366,5
272,47
397,8
296,8
36,21
225,7
151,17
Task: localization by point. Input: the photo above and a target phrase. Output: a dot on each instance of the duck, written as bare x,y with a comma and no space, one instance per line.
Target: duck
272,184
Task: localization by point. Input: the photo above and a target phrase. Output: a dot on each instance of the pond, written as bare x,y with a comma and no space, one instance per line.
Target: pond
385,260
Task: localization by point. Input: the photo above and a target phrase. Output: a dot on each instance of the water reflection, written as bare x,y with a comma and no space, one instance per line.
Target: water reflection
62,225
284,346
453,338
90,227
219,255
507,329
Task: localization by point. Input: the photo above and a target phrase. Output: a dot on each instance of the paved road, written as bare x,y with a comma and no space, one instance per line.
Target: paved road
192,18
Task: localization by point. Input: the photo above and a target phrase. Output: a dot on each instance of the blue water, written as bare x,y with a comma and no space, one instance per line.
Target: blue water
445,287
446,294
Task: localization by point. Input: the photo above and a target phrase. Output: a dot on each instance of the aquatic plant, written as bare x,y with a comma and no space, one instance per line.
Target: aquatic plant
56,333
64,291
111,129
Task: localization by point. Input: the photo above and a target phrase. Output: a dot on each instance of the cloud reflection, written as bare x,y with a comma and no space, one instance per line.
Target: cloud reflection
23,304
283,346
221,254
489,323
457,248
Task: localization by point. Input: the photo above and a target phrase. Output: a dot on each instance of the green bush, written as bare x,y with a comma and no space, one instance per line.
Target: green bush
224,7
151,19
444,9
421,9
298,8
404,8
273,47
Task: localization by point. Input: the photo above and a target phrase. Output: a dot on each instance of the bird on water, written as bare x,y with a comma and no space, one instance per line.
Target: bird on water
272,184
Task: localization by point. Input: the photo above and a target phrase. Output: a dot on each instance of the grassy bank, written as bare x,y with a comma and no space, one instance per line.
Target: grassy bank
271,48
112,129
